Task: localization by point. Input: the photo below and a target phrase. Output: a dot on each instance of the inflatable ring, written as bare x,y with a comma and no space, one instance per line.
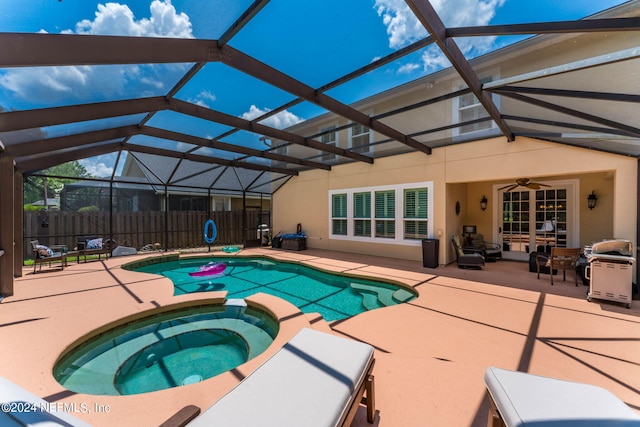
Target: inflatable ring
214,231
230,249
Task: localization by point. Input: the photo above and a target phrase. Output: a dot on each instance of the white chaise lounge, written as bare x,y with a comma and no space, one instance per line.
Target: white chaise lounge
316,379
519,399
22,408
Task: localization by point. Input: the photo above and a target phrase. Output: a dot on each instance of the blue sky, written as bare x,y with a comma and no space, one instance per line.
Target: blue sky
314,41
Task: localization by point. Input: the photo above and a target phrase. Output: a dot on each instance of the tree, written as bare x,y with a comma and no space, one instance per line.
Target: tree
37,188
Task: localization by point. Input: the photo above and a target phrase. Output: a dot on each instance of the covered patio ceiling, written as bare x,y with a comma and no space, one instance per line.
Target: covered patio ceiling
185,139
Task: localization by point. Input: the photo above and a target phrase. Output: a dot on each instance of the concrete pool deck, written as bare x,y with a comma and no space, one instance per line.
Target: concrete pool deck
431,353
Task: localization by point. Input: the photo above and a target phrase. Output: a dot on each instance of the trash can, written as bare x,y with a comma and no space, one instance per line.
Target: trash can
430,252
263,234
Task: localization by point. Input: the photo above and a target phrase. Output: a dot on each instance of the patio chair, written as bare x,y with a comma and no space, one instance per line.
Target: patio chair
491,251
23,408
521,399
43,255
316,379
560,259
466,258
92,245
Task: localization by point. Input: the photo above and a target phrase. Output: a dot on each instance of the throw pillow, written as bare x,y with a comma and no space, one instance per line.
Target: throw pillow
94,244
44,251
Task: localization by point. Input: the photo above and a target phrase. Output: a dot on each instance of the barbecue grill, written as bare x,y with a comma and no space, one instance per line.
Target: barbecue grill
610,271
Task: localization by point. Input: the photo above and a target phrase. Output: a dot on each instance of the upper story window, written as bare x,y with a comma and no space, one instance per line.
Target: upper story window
466,108
331,138
360,138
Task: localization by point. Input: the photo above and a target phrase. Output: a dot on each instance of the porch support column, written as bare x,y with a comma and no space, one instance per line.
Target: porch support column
18,223
6,225
637,222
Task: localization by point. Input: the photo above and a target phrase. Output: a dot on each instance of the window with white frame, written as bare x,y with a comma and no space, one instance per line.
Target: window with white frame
398,214
339,214
415,213
362,214
329,138
385,214
467,108
360,138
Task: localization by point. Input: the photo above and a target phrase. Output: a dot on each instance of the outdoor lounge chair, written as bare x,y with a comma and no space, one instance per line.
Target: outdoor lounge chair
466,259
521,399
23,408
316,379
43,255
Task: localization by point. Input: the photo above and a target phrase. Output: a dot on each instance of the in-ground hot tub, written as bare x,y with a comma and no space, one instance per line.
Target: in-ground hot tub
167,349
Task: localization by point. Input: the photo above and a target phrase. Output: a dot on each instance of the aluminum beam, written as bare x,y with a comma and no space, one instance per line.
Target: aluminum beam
633,131
557,27
29,119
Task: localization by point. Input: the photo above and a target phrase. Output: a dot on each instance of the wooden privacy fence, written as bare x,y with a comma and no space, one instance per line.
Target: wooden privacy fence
137,229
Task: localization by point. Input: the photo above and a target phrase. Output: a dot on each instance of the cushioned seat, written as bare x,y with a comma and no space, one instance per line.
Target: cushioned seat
43,255
519,399
316,379
464,258
491,251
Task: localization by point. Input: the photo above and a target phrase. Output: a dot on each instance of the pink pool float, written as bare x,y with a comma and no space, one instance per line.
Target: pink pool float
210,269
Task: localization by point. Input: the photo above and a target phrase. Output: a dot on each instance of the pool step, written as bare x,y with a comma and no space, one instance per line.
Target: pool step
384,296
403,295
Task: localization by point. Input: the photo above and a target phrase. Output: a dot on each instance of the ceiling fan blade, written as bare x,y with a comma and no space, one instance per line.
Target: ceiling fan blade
534,186
508,188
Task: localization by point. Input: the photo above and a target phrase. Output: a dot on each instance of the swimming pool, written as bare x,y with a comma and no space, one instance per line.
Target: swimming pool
167,349
334,296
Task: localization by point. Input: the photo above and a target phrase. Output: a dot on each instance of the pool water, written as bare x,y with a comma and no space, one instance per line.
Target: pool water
334,296
167,350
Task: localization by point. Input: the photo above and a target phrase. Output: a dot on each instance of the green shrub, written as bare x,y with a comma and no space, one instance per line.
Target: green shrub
89,209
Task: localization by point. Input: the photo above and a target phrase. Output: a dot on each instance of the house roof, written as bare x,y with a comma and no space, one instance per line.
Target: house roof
182,140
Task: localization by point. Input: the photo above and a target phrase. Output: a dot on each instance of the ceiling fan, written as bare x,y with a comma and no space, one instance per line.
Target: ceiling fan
523,182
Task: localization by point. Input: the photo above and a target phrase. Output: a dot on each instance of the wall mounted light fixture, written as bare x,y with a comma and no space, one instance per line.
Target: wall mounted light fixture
483,203
592,199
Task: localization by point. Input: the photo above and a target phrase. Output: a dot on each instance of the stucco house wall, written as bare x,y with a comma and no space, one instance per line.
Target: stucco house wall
464,173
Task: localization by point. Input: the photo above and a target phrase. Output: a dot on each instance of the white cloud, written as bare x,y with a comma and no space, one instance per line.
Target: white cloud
404,28
203,98
282,120
98,169
118,20
82,83
408,68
